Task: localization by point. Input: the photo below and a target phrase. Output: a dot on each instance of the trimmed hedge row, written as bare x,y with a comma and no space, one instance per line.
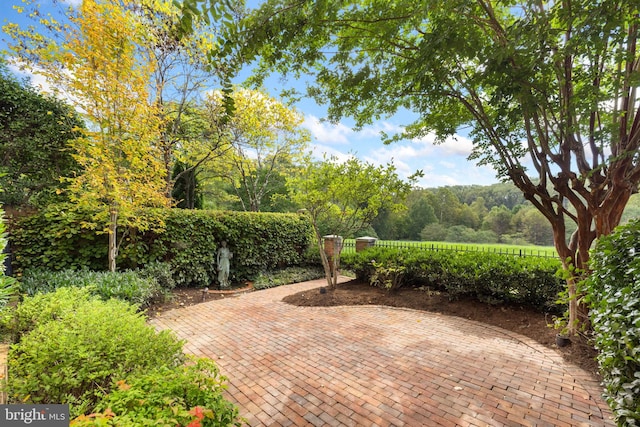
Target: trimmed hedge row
613,291
492,278
57,240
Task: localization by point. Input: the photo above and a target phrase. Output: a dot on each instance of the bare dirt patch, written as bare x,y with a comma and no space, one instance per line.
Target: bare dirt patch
517,319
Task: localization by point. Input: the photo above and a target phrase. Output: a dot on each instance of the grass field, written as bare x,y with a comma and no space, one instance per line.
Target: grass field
541,251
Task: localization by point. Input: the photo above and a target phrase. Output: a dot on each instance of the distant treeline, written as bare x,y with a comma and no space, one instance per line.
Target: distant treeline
495,213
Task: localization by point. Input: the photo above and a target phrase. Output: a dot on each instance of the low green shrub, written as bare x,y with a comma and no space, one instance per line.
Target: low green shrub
287,276
137,287
160,272
76,358
389,276
191,393
613,292
492,278
42,308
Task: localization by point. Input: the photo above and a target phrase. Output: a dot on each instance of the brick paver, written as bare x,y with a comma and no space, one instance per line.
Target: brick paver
380,366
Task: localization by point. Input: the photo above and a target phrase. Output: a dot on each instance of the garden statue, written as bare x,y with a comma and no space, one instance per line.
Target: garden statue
224,257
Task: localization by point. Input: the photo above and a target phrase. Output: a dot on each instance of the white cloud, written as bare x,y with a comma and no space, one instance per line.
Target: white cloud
456,145
374,131
442,164
341,133
73,3
24,70
320,152
41,83
448,165
326,132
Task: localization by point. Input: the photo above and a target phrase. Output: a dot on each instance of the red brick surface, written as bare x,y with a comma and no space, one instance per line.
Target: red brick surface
380,366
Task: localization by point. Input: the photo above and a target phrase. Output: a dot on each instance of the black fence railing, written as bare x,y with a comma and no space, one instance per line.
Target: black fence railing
349,245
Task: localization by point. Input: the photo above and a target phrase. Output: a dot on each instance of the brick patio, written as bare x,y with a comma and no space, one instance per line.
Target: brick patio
380,366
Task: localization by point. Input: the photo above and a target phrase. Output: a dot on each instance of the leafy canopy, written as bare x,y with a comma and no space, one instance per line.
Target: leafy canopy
548,89
264,139
347,195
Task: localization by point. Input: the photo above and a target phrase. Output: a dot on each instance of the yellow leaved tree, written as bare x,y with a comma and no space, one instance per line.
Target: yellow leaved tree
97,60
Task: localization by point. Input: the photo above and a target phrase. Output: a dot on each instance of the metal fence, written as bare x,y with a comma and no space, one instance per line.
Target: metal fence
350,246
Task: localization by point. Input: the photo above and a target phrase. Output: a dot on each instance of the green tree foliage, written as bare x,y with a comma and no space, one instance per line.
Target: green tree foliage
346,196
467,216
549,89
632,211
533,226
498,220
264,139
498,194
446,205
406,224
186,191
184,71
433,233
419,214
34,133
479,206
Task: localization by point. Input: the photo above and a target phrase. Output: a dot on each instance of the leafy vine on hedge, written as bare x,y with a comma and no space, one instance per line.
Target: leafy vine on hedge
613,291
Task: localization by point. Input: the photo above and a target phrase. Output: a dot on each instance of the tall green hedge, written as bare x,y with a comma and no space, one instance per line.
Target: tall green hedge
57,239
613,291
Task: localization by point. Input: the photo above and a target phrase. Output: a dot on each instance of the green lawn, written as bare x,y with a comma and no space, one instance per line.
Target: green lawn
543,251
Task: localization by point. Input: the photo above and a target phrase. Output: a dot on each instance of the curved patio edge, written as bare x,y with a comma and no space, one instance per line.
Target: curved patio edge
374,365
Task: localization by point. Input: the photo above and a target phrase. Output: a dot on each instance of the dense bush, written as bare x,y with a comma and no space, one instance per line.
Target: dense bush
137,287
489,277
613,291
43,308
59,239
167,396
73,352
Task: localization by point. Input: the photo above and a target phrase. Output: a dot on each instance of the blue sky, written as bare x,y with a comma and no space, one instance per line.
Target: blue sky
443,164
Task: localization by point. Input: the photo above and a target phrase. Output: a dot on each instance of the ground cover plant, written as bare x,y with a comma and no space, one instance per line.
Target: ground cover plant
286,276
186,395
139,287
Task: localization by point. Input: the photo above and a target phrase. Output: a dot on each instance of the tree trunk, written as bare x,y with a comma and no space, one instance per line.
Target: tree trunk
591,224
113,239
336,262
324,258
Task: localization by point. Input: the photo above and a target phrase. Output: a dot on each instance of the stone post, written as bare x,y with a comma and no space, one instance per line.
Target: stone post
365,242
